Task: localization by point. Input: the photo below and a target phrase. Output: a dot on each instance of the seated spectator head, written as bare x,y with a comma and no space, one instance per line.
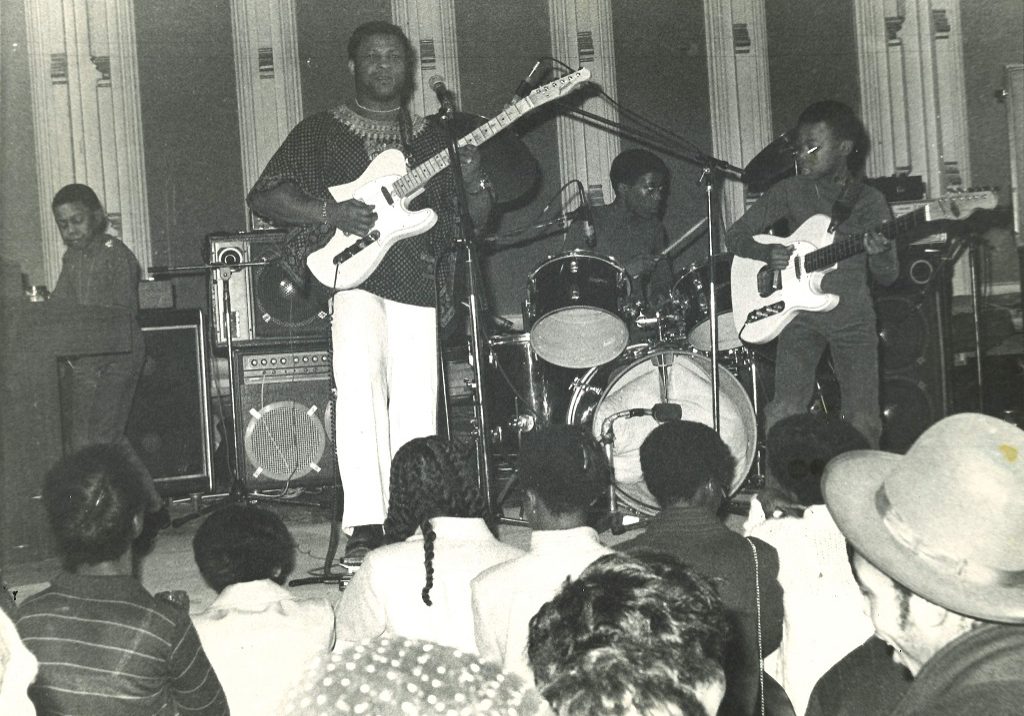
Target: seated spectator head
562,470
634,634
686,462
243,543
95,501
800,446
79,214
431,477
932,552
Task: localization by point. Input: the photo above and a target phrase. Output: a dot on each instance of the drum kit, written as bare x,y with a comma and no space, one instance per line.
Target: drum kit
595,355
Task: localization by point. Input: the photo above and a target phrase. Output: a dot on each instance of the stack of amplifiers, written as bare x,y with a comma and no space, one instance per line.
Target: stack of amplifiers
267,306
283,421
280,336
914,341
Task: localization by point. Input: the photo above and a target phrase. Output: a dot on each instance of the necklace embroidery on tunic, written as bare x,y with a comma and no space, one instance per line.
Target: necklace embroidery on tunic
375,111
377,134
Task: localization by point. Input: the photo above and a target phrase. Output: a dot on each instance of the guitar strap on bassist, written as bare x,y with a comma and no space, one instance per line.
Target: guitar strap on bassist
844,203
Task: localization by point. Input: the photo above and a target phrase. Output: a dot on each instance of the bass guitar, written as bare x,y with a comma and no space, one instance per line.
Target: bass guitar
388,186
765,301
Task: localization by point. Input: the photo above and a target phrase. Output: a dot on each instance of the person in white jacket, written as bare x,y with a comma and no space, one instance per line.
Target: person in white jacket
258,636
440,536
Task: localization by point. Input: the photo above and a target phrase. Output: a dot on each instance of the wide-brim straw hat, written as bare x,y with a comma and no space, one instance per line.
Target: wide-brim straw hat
946,520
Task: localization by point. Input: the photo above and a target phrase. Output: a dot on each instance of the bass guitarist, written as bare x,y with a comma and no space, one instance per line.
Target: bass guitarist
831,146
383,332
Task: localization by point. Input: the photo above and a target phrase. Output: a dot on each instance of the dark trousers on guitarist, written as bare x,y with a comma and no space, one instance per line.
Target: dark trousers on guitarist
850,330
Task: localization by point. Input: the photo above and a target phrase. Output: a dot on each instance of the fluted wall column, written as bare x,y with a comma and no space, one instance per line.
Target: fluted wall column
913,96
581,32
86,115
268,88
741,111
430,26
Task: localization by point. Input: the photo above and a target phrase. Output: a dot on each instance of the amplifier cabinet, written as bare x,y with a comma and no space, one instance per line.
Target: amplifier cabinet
169,425
266,305
283,423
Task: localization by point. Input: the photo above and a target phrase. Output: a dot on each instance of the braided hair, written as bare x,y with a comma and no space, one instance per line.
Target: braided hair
431,477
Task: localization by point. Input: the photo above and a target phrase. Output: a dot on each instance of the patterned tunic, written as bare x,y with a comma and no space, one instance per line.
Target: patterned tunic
335,147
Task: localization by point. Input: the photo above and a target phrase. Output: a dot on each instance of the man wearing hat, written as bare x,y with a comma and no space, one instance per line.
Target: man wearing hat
937,539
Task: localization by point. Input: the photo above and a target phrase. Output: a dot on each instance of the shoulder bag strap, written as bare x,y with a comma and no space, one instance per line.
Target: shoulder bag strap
757,604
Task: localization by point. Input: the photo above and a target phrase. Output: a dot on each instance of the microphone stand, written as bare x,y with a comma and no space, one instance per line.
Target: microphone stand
712,171
708,178
467,240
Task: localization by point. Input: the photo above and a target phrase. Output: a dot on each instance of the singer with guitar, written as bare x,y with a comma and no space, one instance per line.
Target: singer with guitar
383,331
831,146
630,229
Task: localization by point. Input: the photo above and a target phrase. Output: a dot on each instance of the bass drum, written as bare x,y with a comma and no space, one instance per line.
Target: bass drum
640,379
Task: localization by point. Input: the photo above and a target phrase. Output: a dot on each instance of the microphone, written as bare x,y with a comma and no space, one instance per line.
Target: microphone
661,412
667,412
444,97
529,83
586,215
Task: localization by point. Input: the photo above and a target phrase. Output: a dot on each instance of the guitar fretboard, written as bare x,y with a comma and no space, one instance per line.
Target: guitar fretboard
415,178
853,244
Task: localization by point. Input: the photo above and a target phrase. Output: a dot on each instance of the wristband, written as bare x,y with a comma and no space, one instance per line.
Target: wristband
323,212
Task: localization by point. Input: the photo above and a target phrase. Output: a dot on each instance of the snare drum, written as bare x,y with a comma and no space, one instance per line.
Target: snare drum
692,292
640,379
574,309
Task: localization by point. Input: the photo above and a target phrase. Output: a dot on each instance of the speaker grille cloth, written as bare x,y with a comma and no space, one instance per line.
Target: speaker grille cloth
284,303
285,441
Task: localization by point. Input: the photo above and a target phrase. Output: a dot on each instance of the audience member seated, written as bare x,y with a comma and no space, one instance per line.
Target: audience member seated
562,471
104,644
257,634
640,634
688,468
824,614
17,670
395,676
936,536
440,538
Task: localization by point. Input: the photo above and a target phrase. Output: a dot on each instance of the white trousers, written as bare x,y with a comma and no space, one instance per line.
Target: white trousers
385,370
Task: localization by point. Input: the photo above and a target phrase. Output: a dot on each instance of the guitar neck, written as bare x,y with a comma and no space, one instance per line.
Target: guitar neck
853,244
419,175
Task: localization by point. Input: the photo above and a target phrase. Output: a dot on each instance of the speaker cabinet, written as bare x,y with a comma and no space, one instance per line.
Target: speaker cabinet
266,305
283,421
914,352
169,425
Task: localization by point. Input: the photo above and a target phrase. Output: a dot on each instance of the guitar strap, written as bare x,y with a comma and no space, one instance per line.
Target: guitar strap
844,203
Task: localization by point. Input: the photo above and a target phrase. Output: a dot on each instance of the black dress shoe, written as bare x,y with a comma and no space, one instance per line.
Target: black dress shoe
363,539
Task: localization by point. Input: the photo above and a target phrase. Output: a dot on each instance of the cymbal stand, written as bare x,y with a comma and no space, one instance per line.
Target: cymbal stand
477,338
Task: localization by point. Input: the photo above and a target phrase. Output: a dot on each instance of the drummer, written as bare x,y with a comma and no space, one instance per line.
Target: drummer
630,229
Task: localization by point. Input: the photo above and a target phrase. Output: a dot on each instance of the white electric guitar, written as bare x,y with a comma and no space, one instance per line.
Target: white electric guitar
765,301
347,260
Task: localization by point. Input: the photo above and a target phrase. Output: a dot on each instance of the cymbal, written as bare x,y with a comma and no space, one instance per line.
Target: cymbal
771,164
509,165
